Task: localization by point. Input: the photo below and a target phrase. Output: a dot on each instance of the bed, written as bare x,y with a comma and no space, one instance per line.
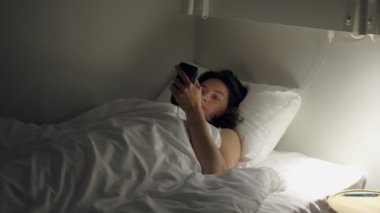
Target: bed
134,155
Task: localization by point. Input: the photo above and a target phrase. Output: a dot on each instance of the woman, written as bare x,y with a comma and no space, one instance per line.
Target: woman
213,98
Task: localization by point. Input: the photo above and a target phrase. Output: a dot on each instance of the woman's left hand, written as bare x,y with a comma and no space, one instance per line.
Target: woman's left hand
187,94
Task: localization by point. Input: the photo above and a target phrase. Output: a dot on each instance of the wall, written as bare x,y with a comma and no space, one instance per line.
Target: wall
61,57
339,119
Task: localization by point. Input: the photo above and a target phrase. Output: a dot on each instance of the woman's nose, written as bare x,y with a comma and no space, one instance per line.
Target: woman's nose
204,95
204,98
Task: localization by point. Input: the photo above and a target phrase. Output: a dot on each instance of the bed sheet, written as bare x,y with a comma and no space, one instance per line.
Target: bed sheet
309,181
128,155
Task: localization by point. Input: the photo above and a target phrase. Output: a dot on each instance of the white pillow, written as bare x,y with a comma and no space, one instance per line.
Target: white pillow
267,111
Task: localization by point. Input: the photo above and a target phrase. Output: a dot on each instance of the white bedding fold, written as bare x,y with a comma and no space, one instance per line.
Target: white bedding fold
124,156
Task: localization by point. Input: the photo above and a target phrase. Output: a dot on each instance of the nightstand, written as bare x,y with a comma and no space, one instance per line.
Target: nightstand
360,201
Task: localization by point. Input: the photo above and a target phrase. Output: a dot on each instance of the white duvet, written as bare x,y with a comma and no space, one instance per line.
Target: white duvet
128,155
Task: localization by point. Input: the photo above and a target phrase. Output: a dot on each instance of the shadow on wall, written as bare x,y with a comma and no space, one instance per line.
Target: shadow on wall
272,73
63,58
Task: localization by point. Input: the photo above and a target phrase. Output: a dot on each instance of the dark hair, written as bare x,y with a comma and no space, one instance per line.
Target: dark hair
237,92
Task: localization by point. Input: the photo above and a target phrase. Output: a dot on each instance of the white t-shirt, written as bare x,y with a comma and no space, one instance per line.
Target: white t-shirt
214,132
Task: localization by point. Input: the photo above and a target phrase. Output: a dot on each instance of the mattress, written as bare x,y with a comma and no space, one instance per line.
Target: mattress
309,181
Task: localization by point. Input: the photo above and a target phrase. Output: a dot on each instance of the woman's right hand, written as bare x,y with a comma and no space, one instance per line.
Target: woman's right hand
187,94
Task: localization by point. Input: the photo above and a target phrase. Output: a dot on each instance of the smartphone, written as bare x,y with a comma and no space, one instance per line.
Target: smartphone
191,72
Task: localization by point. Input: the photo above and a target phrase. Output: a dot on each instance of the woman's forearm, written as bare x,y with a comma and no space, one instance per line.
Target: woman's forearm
203,145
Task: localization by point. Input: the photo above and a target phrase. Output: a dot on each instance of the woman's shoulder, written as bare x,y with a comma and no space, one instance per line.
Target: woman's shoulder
230,133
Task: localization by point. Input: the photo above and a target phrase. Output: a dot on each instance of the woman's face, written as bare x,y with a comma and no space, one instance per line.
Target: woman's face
214,98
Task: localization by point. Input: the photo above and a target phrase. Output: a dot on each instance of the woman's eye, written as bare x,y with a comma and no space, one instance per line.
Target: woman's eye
217,98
